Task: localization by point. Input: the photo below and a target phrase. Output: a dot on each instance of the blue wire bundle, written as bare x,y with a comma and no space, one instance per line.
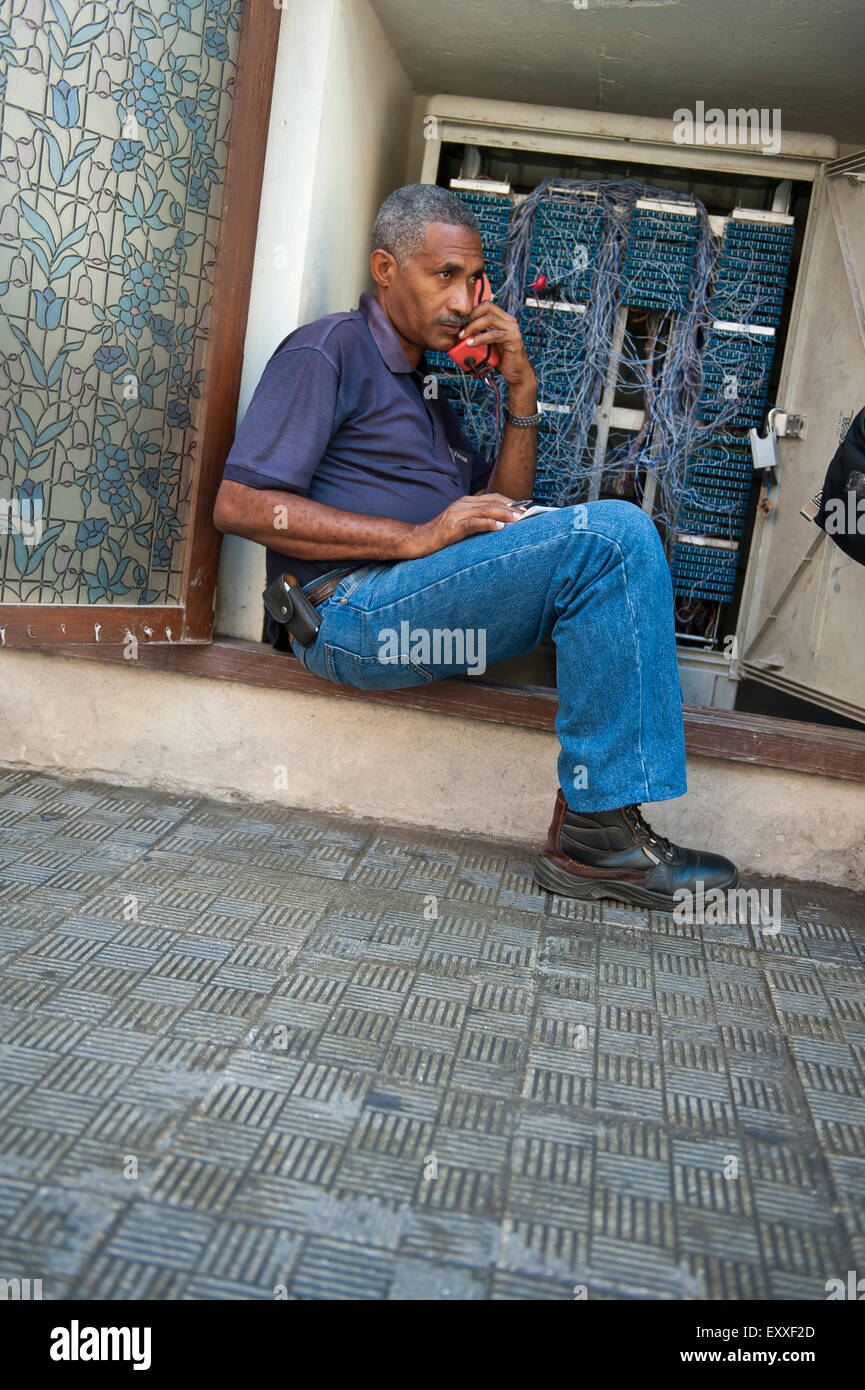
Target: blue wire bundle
694,381
493,211
703,572
736,375
753,270
661,249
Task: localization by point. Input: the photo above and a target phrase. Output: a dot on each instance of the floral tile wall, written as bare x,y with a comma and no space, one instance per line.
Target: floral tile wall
113,137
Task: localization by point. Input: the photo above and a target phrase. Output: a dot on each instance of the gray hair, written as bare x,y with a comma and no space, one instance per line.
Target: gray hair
404,216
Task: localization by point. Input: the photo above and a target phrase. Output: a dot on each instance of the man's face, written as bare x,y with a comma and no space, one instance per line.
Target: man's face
430,297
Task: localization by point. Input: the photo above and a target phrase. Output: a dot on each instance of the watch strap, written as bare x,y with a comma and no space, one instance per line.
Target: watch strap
522,421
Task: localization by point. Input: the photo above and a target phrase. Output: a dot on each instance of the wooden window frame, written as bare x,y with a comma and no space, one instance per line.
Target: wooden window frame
44,625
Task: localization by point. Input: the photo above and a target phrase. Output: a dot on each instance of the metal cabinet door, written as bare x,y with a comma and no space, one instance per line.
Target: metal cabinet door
802,621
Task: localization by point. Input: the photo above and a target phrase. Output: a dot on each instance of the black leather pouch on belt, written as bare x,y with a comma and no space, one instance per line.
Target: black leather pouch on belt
286,603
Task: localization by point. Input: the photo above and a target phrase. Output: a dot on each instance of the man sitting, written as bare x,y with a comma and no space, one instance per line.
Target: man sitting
356,476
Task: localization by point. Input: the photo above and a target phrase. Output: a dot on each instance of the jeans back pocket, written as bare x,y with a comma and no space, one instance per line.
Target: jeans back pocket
370,672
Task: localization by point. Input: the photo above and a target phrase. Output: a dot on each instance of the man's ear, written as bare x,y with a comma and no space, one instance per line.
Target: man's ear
383,268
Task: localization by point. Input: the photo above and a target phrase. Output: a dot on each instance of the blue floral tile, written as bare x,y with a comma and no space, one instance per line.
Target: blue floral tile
113,129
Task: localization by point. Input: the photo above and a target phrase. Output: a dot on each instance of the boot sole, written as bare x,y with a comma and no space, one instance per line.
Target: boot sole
566,885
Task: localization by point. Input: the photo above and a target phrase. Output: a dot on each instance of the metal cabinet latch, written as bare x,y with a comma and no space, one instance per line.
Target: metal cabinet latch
786,425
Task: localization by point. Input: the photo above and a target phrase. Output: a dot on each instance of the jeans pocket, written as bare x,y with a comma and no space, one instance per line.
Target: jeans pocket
370,672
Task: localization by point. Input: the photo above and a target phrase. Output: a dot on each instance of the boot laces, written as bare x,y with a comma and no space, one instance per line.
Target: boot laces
644,832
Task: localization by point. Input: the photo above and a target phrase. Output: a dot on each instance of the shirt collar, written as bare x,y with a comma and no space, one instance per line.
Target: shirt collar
384,334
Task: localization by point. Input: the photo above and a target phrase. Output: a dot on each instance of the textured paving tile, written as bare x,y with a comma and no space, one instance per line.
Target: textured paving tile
257,1053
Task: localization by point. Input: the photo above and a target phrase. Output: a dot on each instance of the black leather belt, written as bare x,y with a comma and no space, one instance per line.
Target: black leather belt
319,592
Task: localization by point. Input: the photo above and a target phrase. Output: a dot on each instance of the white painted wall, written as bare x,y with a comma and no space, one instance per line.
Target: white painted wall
337,145
366,120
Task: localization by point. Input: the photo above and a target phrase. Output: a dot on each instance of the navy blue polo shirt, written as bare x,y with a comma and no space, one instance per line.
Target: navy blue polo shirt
339,416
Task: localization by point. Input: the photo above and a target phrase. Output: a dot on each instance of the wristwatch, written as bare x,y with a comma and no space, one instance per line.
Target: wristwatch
523,422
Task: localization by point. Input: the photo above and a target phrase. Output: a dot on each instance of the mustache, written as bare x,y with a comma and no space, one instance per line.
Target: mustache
453,320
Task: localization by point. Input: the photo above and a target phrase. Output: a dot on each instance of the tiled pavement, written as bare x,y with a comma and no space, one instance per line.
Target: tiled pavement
249,1050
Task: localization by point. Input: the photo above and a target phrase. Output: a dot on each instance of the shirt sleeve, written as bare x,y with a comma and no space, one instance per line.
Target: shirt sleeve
290,421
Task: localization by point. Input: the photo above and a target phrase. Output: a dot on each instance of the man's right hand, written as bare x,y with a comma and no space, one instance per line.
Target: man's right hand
468,516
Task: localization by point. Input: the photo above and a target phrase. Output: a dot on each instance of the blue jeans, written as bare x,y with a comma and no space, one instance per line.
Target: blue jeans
593,576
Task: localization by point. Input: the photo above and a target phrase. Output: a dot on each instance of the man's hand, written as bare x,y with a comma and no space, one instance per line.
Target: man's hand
516,464
489,323
468,516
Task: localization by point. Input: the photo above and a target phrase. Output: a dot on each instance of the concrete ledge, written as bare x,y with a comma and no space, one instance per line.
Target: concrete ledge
128,724
730,735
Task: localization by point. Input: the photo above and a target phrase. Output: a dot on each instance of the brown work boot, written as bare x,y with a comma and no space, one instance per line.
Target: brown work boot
616,854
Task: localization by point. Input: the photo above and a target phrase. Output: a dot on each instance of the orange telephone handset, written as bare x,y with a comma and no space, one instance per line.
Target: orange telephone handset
478,358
